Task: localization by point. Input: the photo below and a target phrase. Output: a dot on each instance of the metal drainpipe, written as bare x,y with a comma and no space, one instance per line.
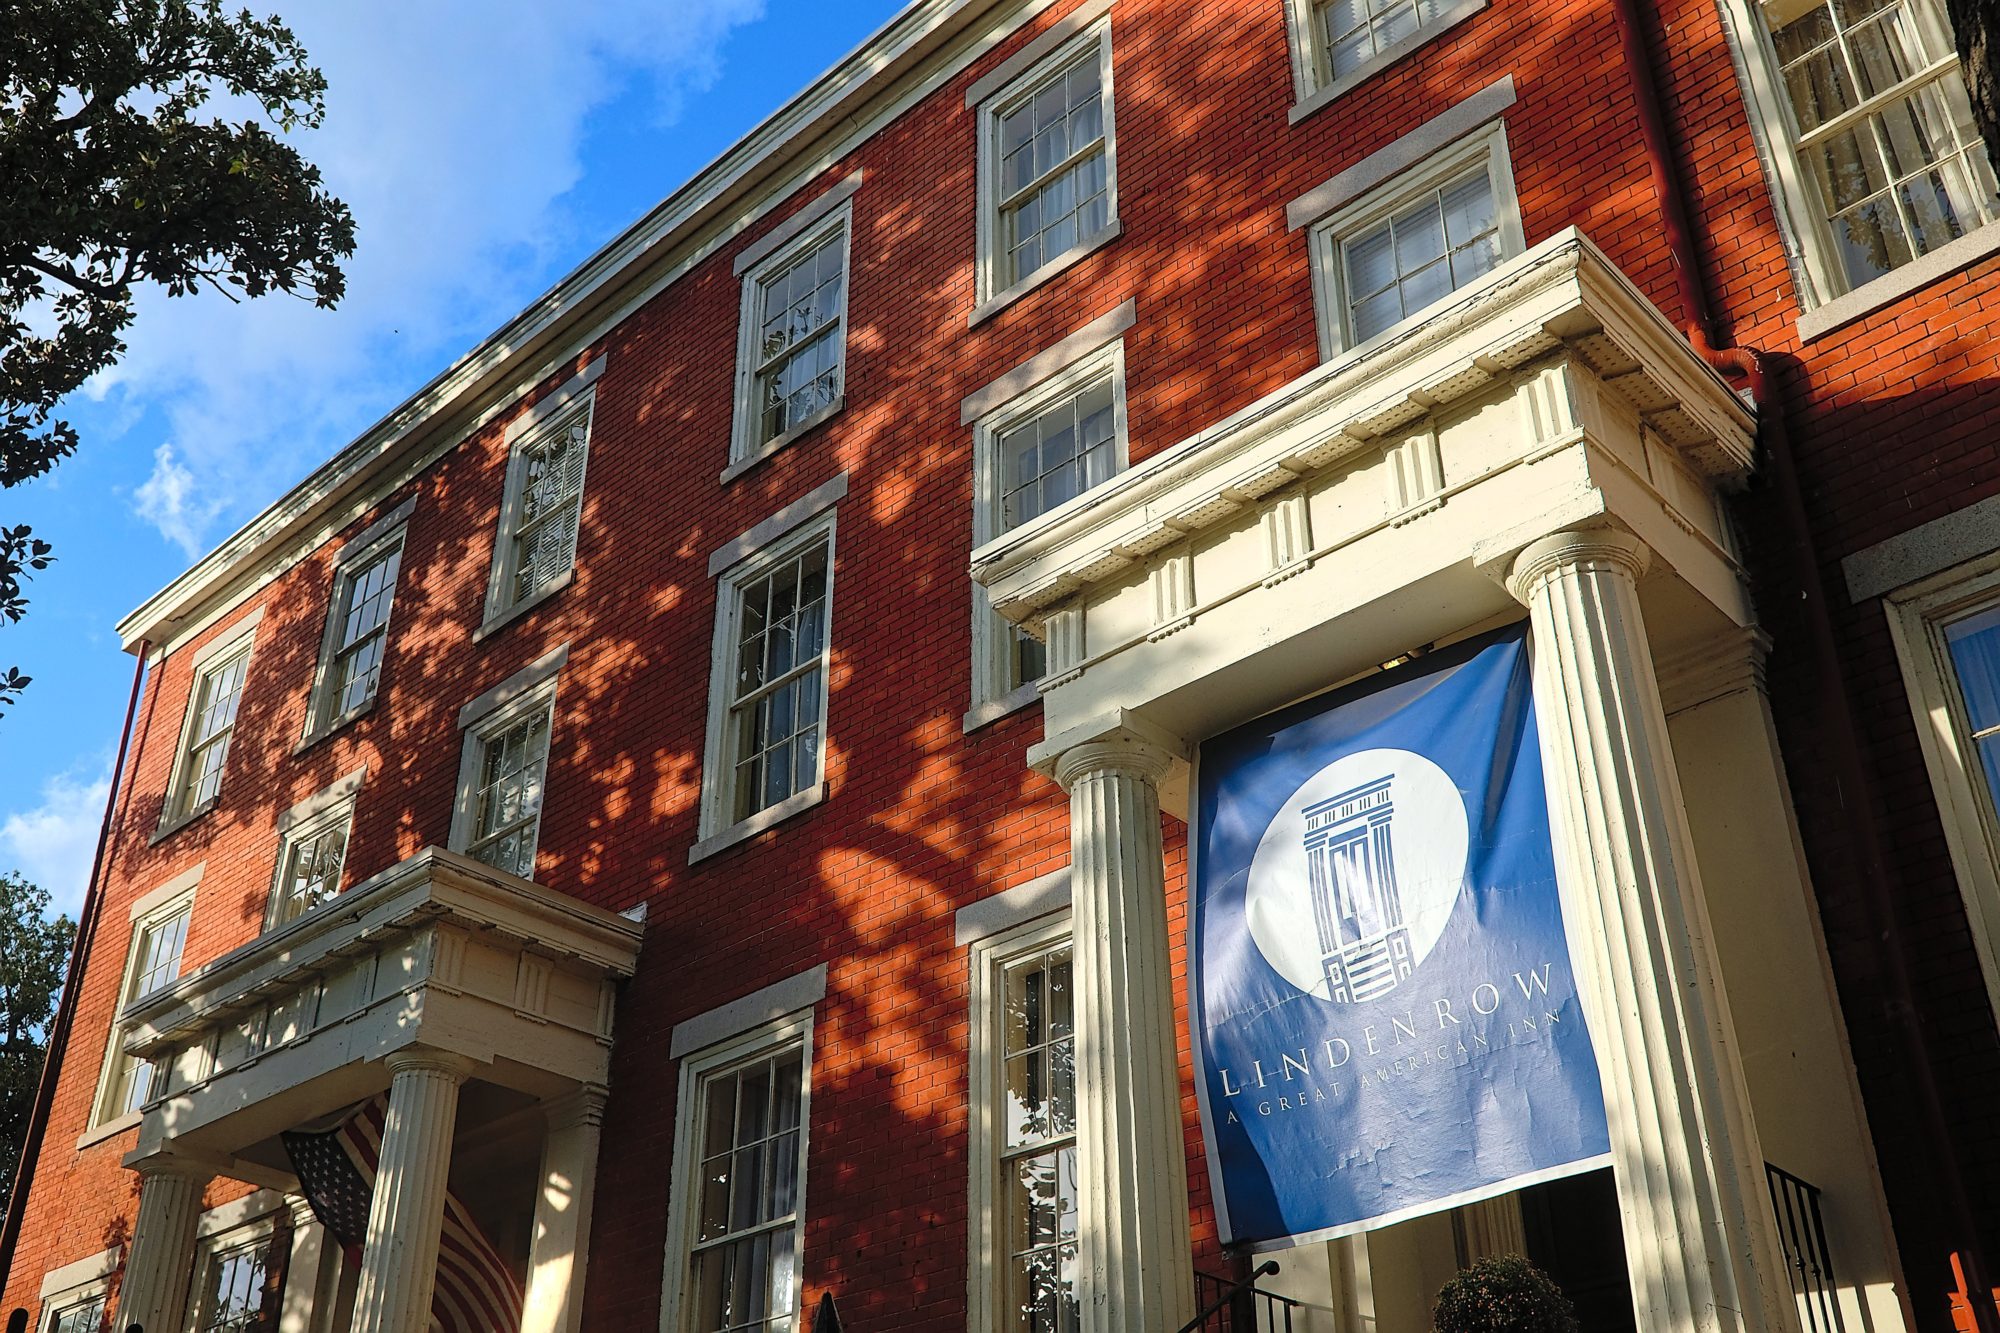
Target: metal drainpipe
1868,871
86,931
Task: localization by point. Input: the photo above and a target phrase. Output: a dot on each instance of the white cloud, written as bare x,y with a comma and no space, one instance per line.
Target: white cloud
52,844
454,131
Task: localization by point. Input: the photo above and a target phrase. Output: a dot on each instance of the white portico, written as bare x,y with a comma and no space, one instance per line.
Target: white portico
1543,444
481,1002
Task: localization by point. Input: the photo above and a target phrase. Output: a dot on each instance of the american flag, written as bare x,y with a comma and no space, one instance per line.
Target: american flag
476,1292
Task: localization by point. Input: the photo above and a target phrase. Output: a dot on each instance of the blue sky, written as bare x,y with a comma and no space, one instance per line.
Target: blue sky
486,147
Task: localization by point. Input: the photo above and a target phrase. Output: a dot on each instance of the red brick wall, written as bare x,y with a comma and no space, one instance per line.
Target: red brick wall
923,819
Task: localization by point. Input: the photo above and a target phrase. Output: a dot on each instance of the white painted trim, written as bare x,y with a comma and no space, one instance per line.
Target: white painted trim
986,1081
827,222
985,714
1917,617
1898,283
919,51
685,1192
1063,45
1048,362
1927,549
149,904
759,1007
522,681
1036,51
360,543
1411,150
1486,144
83,1272
779,237
793,532
1304,33
238,638
501,604
254,1207
251,1218
992,694
779,525
1009,909
556,399
226,643
334,793
110,1129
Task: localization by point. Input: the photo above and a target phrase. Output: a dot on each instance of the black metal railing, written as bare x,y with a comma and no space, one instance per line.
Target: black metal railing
1802,1232
1226,1305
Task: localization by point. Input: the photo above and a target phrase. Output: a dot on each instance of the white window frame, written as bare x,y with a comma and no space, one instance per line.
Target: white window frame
373,543
239,640
74,1284
1918,616
247,1221
1314,85
993,694
1001,91
330,808
991,958
557,411
746,1047
780,538
1825,298
148,914
521,696
822,220
1487,145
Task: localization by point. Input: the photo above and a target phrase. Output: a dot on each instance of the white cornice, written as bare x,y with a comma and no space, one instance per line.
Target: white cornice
927,43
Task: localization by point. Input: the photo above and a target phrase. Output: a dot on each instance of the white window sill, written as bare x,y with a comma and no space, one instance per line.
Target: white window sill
778,442
110,1129
173,826
499,620
1325,96
769,817
1899,283
985,714
320,733
999,301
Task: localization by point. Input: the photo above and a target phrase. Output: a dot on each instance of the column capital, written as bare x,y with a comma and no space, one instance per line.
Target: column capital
581,1105
1571,549
182,1165
430,1060
1122,741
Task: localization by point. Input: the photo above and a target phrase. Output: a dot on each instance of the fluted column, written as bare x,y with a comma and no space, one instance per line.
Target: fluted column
400,1253
1136,1270
559,1249
1699,1238
154,1291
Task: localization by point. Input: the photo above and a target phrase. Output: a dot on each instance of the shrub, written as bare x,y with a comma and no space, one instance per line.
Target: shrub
1506,1294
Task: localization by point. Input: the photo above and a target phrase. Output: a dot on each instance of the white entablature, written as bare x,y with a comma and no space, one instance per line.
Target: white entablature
1364,509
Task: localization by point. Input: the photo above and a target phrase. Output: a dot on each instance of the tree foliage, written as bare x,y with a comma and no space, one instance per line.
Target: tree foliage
1503,1294
33,953
112,176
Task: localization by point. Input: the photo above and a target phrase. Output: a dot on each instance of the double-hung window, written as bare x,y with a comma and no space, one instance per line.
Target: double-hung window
1402,248
210,725
240,1284
1048,176
1024,1186
1338,43
1031,455
541,509
791,359
767,698
738,1210
357,630
153,962
312,851
83,1315
1947,636
504,766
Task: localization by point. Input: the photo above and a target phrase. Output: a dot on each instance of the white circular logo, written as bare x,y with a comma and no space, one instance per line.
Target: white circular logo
1355,878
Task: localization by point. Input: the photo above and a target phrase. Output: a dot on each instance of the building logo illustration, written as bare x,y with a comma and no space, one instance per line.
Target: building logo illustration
1355,878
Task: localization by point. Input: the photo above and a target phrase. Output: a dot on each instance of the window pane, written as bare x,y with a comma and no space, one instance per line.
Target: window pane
1053,169
780,650
800,345
551,504
507,801
364,601
310,871
84,1317
216,696
743,1266
1058,455
238,1289
1429,249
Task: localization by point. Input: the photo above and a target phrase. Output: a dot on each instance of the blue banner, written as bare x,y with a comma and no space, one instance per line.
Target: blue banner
1384,1013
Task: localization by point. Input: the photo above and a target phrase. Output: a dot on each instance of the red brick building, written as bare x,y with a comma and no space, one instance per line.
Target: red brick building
609,756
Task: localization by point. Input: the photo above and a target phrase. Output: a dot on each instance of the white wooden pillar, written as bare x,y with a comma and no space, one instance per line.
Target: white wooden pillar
558,1252
1492,1228
1699,1238
154,1290
1136,1267
406,1216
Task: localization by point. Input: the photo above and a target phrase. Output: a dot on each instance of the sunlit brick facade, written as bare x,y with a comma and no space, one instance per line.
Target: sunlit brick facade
678,616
